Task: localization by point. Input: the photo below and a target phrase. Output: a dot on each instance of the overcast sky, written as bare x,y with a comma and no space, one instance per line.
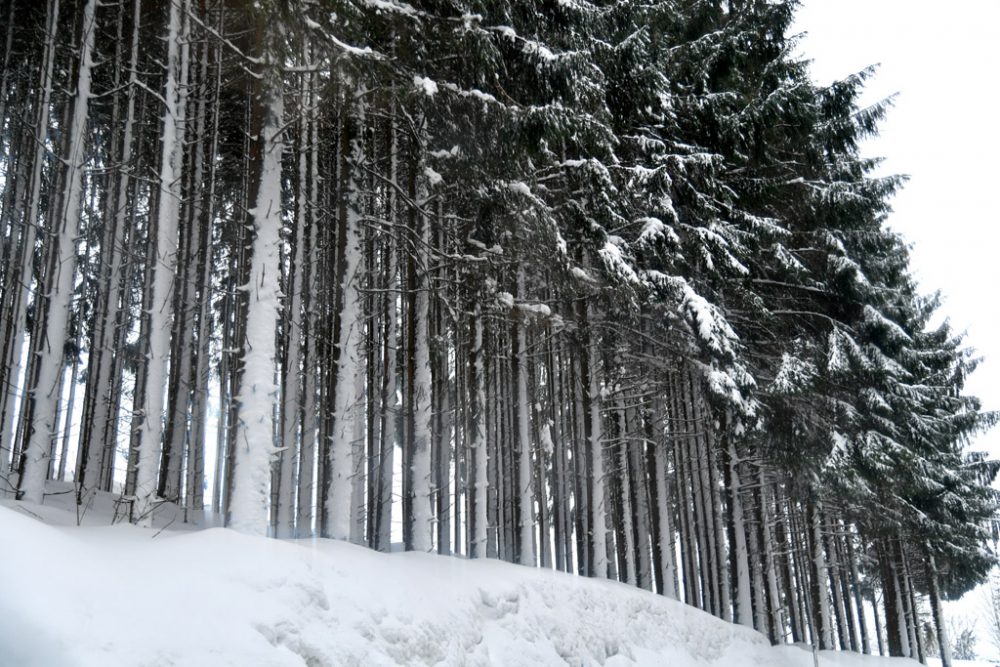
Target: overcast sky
943,59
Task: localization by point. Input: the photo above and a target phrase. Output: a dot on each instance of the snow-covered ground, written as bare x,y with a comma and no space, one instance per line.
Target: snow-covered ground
107,595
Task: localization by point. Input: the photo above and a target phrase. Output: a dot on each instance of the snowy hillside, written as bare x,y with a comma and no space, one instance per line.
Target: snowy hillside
120,595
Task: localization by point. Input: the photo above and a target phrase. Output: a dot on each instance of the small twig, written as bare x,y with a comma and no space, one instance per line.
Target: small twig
27,511
169,523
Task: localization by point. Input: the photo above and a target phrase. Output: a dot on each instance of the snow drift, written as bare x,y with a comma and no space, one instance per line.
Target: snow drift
121,595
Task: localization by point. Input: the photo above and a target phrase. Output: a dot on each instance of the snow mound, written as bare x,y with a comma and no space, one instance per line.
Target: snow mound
120,595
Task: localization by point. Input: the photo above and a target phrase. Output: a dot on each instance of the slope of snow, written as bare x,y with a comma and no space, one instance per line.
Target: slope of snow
120,595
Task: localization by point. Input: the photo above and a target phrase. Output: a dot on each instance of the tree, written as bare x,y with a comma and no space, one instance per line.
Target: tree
611,283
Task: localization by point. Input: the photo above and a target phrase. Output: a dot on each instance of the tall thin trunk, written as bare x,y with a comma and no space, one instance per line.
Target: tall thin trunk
255,427
308,287
912,611
667,572
599,557
51,356
161,279
524,481
31,222
937,611
200,391
882,650
770,561
744,613
479,445
390,404
625,526
856,591
839,607
420,518
339,511
175,436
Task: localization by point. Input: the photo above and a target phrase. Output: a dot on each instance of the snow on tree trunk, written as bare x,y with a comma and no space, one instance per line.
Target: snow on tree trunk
856,592
721,571
770,560
666,530
899,610
421,527
349,397
98,401
7,71
597,517
879,637
178,405
46,390
161,277
479,449
524,485
625,494
390,403
912,612
937,611
206,212
822,602
307,341
292,394
255,427
32,222
360,425
744,611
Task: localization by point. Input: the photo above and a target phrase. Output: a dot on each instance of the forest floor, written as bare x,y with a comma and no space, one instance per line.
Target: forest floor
103,594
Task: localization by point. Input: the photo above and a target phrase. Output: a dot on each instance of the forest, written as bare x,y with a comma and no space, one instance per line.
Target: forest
604,286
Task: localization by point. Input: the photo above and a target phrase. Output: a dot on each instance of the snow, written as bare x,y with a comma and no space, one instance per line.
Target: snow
653,229
520,188
253,460
425,85
421,525
793,375
433,177
535,309
614,260
483,97
392,7
110,595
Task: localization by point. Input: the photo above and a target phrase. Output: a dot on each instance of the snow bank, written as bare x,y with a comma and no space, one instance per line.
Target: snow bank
121,595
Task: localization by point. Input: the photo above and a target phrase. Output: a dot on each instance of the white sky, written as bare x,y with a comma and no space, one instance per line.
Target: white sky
944,132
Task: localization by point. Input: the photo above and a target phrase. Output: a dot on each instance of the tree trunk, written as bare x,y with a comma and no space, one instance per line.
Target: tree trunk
51,356
526,503
255,426
31,223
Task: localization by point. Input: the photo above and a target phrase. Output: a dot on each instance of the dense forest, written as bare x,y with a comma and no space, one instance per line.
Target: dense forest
601,286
